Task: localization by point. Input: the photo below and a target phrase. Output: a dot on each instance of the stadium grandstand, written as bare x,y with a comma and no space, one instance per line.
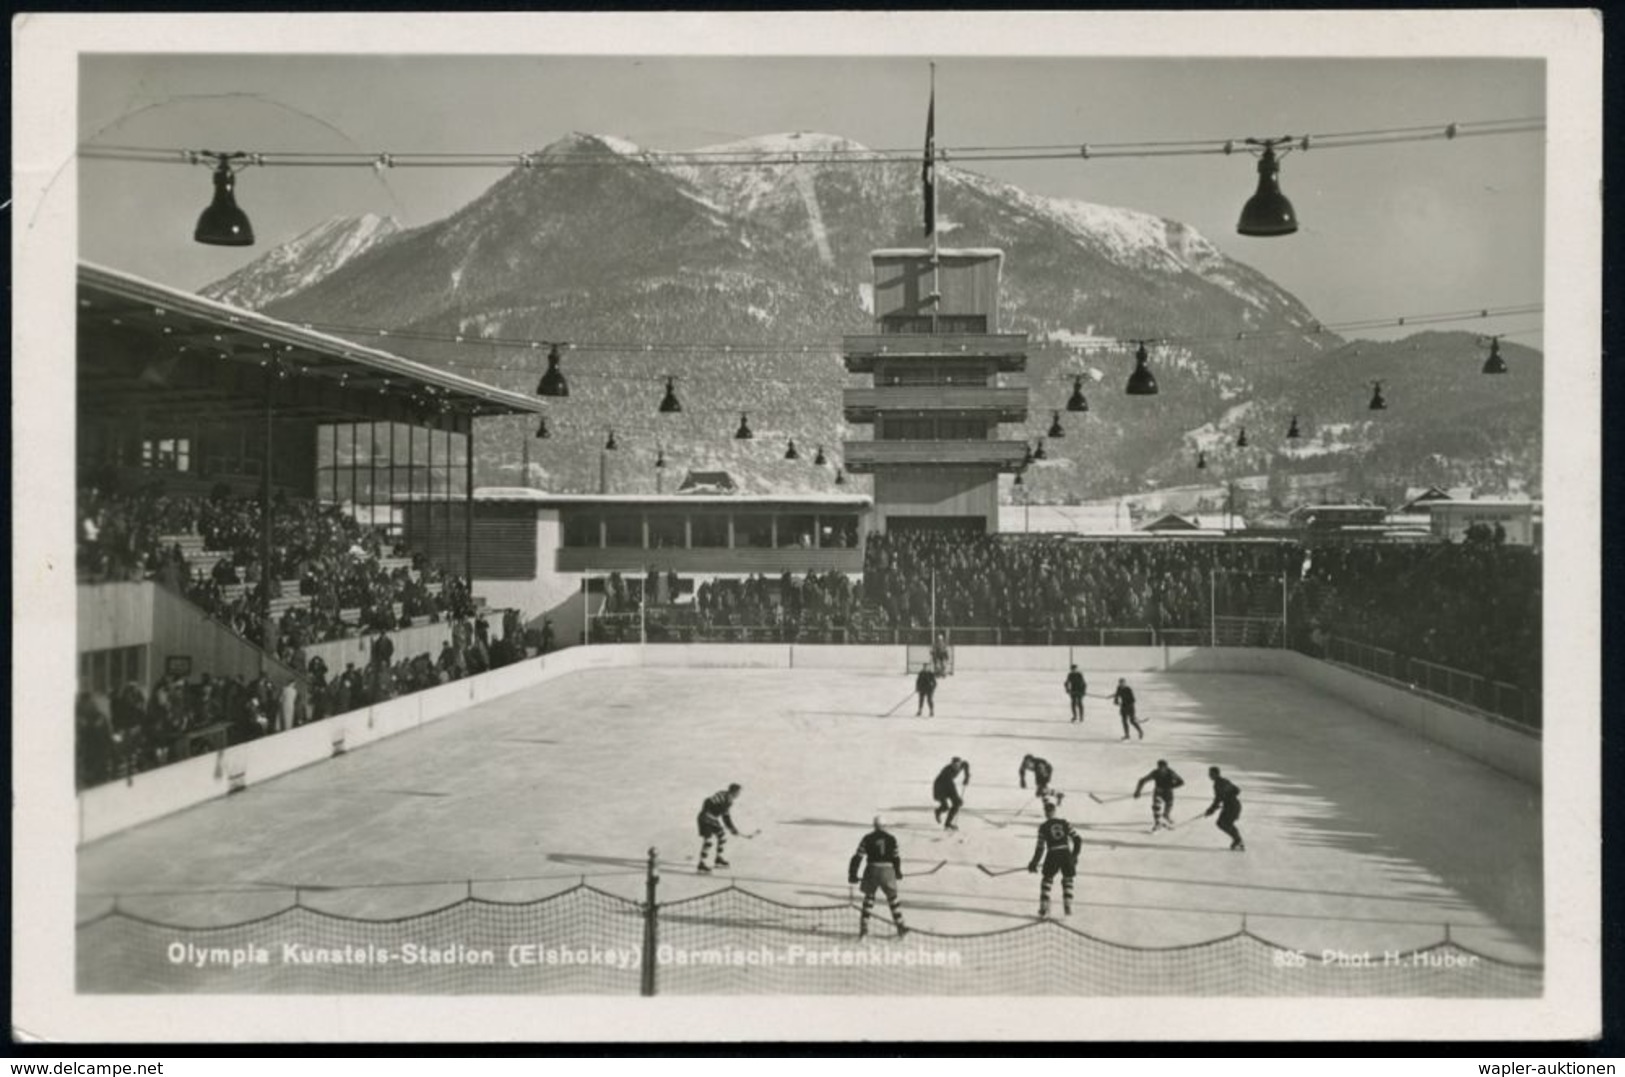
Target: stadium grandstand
233,581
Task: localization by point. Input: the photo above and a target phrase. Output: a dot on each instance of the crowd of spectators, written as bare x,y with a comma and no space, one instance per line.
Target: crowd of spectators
1056,582
1473,605
335,560
732,608
133,728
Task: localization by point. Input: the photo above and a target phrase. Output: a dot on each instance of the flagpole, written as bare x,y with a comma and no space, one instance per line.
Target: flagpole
936,267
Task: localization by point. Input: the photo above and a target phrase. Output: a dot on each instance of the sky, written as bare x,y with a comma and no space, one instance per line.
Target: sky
1385,231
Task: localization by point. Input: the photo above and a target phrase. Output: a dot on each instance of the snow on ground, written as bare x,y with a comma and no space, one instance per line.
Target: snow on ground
1359,833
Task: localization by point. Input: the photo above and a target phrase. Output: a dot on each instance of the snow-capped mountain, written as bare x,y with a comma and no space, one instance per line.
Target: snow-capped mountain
302,261
735,263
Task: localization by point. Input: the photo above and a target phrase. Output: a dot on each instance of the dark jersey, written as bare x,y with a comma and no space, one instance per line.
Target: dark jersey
1164,781
1056,835
948,773
926,682
1226,794
1075,684
878,847
1041,772
718,805
1124,695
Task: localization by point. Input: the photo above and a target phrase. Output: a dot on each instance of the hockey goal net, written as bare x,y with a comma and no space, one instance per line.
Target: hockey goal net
922,654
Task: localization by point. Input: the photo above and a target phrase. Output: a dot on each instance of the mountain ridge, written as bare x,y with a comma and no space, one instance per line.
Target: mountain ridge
640,248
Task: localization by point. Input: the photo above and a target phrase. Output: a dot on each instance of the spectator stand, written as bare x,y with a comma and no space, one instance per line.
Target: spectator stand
241,461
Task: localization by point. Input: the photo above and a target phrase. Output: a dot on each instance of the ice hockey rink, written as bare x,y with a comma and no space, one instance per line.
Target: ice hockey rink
1360,834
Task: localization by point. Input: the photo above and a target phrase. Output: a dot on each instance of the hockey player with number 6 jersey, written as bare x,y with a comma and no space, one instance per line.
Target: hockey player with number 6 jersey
1058,848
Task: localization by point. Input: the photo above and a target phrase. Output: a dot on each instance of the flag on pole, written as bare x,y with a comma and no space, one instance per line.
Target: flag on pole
928,172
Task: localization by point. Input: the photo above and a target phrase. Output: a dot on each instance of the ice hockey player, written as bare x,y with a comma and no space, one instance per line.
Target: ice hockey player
1227,802
1163,783
947,794
926,686
716,821
1124,698
884,868
939,656
1076,689
1042,773
1058,848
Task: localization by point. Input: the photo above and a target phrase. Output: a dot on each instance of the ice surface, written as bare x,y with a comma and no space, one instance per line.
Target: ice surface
1359,833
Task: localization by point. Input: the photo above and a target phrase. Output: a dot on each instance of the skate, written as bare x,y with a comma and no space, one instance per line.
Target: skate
704,868
1068,910
902,929
721,863
1237,847
937,815
863,929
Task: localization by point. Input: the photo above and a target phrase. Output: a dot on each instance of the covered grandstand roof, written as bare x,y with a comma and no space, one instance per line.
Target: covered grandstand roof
149,346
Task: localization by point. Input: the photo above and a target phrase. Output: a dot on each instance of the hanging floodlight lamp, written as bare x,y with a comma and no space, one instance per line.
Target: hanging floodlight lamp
790,453
1267,212
553,383
1077,401
744,433
1495,364
1377,401
1201,460
1055,428
1142,382
660,458
1292,430
1028,457
669,404
223,223
542,432
818,457
840,477
610,446
1241,439
1039,453
1018,481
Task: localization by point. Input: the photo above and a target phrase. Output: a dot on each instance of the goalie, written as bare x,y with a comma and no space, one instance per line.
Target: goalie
884,867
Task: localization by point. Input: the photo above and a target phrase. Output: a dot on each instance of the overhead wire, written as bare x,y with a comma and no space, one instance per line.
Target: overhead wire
841,155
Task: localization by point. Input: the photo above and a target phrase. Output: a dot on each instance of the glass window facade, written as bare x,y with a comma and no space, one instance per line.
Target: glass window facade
840,532
667,531
796,531
751,530
709,531
623,530
581,529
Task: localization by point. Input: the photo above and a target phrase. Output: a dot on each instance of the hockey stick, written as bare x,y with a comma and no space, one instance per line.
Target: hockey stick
753,834
929,871
996,872
900,703
1110,800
